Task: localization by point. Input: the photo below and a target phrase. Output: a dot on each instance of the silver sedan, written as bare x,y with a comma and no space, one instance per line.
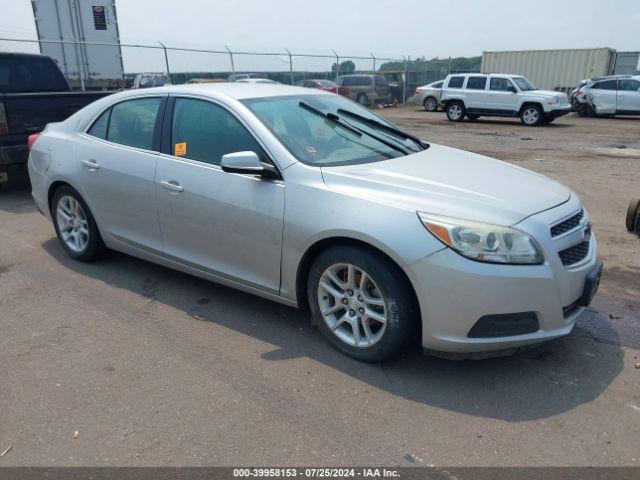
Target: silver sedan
306,198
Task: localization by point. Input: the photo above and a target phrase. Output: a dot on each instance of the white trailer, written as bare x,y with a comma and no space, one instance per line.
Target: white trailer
60,24
552,69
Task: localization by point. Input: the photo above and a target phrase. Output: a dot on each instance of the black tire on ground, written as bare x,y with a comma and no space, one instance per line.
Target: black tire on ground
473,116
531,115
430,104
95,247
362,99
455,111
401,310
632,214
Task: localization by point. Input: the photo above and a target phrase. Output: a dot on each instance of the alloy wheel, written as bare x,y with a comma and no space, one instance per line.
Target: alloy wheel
352,305
455,111
72,223
531,116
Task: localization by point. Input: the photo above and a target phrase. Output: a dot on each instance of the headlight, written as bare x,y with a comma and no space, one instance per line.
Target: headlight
482,241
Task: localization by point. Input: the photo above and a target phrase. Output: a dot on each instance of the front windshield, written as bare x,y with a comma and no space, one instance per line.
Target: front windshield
524,84
320,141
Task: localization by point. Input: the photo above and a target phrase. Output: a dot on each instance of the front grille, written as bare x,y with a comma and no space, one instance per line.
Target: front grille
504,325
567,225
575,254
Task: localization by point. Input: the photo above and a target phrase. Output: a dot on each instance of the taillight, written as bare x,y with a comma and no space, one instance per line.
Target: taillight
4,124
344,91
417,91
32,139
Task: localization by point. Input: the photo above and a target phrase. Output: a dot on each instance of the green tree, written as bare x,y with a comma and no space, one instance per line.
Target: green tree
346,68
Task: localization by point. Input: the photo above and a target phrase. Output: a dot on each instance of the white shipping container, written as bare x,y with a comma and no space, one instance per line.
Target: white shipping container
551,69
92,21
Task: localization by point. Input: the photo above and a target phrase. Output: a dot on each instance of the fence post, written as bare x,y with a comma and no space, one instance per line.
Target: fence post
166,60
337,65
233,68
374,62
405,81
290,65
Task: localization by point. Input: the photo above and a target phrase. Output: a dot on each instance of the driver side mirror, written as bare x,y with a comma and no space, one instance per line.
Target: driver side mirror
247,163
512,89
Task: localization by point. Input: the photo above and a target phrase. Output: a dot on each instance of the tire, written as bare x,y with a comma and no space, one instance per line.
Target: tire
531,115
455,111
362,99
632,214
430,104
473,116
377,341
77,223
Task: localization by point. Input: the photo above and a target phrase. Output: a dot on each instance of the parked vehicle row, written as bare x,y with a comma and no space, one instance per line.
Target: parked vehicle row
389,239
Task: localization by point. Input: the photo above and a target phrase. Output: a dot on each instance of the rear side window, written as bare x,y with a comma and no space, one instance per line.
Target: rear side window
456,82
132,122
628,85
499,84
205,132
476,83
99,127
24,74
380,81
605,85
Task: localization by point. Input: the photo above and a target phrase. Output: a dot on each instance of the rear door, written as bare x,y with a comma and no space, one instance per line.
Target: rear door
604,96
381,87
628,97
501,100
223,223
475,94
117,159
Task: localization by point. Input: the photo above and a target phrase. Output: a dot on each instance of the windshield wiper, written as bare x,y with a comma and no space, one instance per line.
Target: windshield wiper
355,130
383,126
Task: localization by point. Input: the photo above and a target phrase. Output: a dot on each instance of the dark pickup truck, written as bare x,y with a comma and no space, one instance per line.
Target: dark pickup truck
33,92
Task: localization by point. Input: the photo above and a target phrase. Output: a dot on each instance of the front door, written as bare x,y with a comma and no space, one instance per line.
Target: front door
117,165
224,223
501,99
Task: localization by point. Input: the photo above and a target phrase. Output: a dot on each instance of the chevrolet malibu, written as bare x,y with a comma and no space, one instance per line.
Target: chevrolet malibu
307,198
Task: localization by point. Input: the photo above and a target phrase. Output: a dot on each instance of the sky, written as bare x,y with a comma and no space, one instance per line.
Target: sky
359,27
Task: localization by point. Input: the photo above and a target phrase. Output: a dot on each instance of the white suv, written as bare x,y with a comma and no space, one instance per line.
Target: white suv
475,94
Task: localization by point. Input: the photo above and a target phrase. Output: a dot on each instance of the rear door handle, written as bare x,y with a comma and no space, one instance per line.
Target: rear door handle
92,164
171,185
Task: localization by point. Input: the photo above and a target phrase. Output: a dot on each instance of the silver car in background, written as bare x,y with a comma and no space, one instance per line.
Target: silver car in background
306,198
428,96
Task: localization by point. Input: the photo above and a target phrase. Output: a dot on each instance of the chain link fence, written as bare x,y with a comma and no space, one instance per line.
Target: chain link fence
78,60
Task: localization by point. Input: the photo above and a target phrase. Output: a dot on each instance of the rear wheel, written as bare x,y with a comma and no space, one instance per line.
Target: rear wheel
430,104
75,226
455,111
531,115
473,116
632,214
362,99
361,303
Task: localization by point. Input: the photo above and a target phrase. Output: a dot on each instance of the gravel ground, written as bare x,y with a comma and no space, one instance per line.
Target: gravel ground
123,362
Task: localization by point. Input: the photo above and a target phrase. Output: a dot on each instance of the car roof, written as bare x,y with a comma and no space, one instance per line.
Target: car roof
234,90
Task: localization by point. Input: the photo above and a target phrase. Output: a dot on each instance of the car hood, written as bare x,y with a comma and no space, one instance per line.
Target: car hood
446,181
543,93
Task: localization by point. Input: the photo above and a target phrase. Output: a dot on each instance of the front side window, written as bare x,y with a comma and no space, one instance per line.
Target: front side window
456,82
319,141
500,84
629,85
605,85
524,84
476,83
132,122
205,132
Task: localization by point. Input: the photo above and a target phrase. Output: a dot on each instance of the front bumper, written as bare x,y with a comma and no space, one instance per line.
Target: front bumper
556,112
455,292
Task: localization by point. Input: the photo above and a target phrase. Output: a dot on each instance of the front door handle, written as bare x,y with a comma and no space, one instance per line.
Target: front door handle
171,185
92,164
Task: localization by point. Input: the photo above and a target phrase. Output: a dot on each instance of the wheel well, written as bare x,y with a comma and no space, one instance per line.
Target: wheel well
453,100
428,97
312,253
526,104
52,191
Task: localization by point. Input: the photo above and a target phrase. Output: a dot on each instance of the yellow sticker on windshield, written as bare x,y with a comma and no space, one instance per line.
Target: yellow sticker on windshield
180,149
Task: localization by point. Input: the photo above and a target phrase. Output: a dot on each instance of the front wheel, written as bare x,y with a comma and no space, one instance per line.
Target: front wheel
75,226
361,303
430,104
362,99
455,112
632,214
531,115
